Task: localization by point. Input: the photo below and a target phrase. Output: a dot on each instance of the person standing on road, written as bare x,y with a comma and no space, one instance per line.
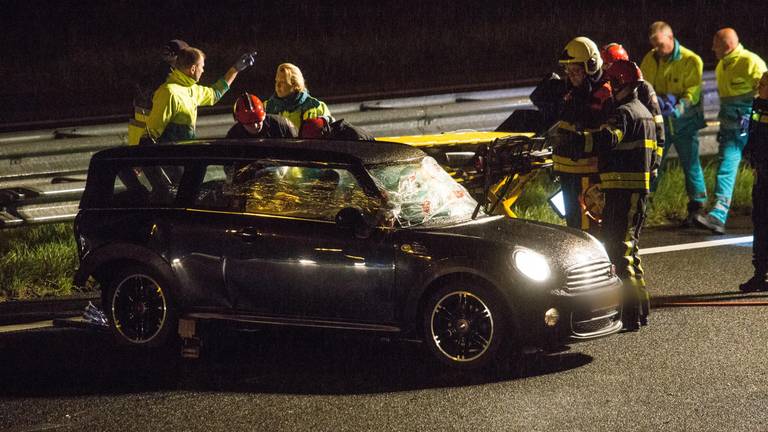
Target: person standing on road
738,73
174,104
292,100
583,102
625,147
646,94
145,87
254,122
756,152
676,74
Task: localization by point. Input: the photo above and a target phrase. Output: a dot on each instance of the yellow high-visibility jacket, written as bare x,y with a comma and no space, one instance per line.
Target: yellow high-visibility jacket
738,75
680,74
174,106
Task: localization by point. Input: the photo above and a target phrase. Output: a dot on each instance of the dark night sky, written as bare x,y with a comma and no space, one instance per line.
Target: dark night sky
71,58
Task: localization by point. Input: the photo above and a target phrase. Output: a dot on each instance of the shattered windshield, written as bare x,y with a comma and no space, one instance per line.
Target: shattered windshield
421,192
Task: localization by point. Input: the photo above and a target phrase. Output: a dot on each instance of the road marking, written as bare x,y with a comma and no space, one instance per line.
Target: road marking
697,245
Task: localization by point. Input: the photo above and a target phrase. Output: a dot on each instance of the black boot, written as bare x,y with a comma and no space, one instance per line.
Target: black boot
695,208
758,282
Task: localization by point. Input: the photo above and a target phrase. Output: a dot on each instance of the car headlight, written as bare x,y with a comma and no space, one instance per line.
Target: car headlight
531,264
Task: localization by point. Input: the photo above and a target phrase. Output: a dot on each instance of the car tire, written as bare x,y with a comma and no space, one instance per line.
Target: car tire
464,324
139,308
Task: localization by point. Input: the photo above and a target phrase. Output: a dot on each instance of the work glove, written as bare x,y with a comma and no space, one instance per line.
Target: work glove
245,61
667,106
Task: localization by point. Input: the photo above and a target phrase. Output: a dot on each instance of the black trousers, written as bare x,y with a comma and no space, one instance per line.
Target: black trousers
760,219
623,218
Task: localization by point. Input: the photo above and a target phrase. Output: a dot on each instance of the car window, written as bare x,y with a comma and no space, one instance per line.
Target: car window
146,186
282,190
421,192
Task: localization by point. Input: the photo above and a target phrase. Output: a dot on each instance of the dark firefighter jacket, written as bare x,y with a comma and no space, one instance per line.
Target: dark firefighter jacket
625,146
273,126
581,108
757,144
647,96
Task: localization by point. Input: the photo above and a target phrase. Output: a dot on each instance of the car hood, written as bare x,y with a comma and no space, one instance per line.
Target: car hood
567,245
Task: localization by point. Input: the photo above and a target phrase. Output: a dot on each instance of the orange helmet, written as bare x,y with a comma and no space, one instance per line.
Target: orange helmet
248,109
313,128
613,52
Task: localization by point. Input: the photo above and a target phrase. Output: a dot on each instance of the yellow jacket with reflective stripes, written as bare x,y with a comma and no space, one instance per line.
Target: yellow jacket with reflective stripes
174,106
625,147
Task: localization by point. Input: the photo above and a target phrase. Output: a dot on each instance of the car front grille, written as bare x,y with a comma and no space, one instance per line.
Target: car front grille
593,274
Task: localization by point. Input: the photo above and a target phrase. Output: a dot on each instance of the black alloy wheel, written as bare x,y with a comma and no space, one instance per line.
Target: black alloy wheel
139,309
463,326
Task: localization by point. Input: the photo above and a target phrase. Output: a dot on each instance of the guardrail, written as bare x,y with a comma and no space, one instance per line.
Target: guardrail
42,173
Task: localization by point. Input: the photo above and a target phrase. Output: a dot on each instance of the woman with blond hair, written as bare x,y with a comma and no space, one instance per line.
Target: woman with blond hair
292,100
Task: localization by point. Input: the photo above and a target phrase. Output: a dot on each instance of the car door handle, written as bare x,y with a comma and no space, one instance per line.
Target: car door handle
248,234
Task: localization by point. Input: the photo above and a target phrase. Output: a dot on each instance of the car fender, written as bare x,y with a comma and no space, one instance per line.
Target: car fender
454,266
93,263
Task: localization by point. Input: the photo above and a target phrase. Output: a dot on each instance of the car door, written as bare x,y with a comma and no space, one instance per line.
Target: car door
285,255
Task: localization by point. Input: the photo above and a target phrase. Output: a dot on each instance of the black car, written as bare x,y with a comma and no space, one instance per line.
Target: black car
369,236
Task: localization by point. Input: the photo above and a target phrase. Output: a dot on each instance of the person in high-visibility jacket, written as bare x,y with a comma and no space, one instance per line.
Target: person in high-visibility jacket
292,99
738,73
146,84
676,73
581,101
625,147
174,104
756,152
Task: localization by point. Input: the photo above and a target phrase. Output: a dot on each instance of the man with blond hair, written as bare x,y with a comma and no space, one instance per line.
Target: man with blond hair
676,74
292,99
738,73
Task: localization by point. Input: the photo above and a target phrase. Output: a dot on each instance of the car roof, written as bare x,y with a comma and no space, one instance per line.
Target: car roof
316,150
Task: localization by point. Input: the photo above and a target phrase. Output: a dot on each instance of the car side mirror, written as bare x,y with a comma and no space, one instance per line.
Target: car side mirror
352,219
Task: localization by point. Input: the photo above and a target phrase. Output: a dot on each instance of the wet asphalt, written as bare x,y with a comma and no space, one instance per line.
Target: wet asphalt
693,368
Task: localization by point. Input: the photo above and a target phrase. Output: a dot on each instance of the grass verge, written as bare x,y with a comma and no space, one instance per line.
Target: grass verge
39,261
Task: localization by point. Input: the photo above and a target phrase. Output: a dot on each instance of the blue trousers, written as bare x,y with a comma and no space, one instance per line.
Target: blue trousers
687,144
732,142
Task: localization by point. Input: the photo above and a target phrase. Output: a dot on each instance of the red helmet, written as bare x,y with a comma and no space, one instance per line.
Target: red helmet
248,109
613,52
623,73
313,128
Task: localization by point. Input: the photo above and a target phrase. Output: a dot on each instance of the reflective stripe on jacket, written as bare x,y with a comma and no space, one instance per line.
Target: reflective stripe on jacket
647,96
297,108
174,106
757,143
586,107
625,147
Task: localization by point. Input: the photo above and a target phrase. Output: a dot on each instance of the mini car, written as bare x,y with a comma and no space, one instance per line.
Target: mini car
367,236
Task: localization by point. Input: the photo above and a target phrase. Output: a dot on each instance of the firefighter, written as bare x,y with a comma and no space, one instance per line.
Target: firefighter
321,128
738,73
614,52
625,146
581,101
254,122
174,104
676,74
756,152
145,87
292,99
